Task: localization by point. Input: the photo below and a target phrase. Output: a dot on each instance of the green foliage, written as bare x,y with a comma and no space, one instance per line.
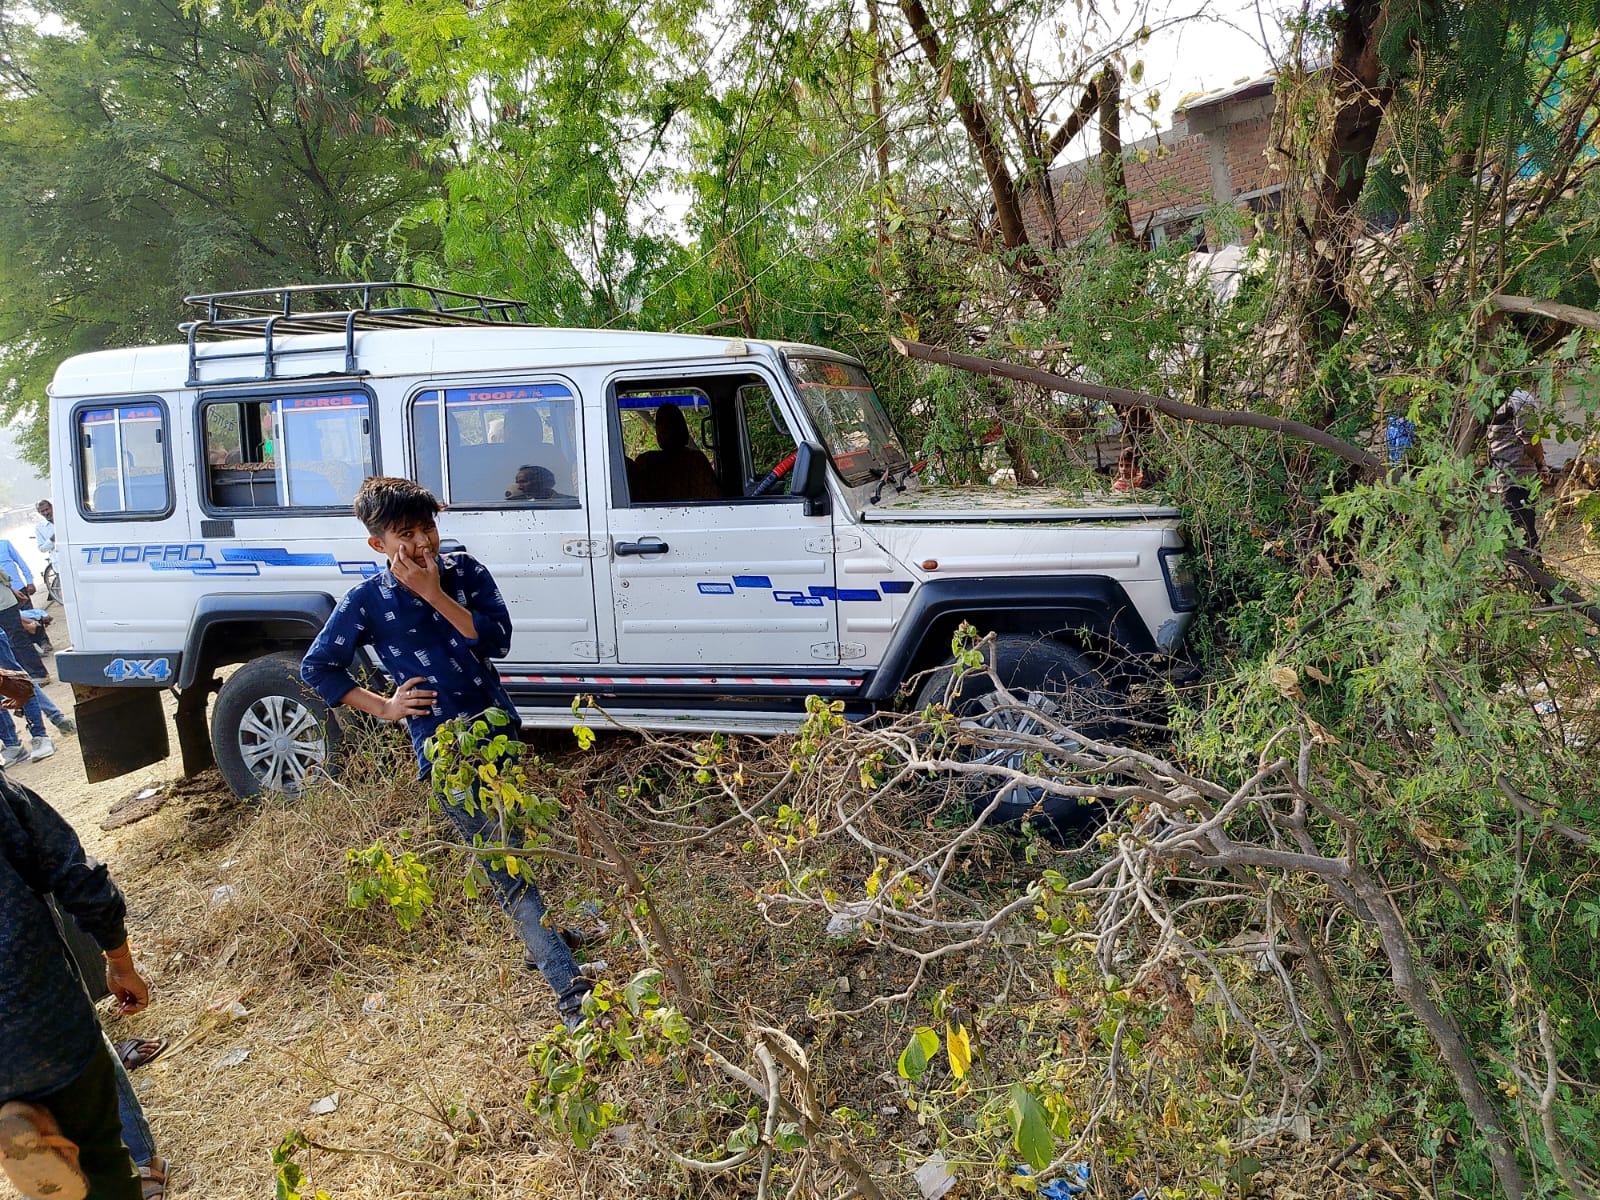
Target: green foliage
289,1180
149,151
621,1024
403,883
480,765
1030,1128
919,1052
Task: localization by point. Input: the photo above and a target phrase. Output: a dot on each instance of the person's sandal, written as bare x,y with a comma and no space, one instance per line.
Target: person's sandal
153,1179
39,1161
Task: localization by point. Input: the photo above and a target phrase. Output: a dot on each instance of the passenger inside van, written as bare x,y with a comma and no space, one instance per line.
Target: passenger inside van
679,470
534,483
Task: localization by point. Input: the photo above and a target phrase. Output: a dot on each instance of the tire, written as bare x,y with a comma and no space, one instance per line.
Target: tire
271,734
1044,674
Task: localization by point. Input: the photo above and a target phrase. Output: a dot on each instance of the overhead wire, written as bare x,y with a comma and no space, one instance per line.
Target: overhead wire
764,209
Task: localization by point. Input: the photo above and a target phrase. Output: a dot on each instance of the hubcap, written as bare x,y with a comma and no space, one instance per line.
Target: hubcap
282,743
999,717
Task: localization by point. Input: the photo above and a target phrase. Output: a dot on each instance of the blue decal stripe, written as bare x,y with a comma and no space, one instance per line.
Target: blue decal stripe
715,589
276,556
210,568
828,593
895,587
752,581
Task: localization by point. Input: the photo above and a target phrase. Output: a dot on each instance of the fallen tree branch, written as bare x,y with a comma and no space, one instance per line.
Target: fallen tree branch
1370,464
1551,587
1567,314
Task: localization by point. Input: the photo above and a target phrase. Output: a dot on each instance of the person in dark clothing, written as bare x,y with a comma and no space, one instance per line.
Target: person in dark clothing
22,643
60,1132
679,470
1515,453
436,621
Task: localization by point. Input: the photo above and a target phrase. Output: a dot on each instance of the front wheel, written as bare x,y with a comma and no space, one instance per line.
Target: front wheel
1047,679
271,734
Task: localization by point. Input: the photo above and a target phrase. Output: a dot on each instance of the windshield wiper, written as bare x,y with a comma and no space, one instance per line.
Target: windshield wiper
882,479
887,477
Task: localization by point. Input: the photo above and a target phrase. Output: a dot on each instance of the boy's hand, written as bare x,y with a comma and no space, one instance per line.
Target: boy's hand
409,700
419,574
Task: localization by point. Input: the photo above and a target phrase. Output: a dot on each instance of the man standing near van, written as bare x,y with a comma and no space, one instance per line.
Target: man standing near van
12,593
60,1133
442,615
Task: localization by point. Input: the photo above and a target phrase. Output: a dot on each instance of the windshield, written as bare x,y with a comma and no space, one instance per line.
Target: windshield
848,417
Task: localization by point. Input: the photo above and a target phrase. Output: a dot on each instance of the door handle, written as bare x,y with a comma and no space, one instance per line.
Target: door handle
451,546
647,546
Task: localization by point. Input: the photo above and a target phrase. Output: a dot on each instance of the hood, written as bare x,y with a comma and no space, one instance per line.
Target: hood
979,504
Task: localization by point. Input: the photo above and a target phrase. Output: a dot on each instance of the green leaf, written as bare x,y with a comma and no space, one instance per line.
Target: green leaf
914,1058
789,1137
1030,1130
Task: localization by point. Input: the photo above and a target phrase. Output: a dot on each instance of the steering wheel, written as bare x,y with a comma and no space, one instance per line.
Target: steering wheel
775,476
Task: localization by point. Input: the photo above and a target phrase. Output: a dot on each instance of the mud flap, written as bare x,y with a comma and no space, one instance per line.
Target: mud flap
119,729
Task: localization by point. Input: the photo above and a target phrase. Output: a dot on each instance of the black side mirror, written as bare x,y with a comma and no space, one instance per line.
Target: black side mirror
810,478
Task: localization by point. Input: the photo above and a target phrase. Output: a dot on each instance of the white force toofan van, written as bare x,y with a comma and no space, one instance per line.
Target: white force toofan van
699,532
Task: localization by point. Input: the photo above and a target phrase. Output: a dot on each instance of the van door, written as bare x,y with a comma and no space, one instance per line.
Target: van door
704,572
506,455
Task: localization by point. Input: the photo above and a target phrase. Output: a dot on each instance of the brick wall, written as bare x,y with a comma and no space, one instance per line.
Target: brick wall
1172,173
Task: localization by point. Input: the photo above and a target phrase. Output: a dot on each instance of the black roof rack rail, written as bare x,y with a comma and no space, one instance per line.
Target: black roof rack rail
329,308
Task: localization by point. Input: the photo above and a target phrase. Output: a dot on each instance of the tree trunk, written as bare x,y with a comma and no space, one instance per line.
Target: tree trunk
1113,178
1361,92
981,134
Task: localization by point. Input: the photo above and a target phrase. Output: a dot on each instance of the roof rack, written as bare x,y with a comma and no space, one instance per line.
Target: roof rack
266,313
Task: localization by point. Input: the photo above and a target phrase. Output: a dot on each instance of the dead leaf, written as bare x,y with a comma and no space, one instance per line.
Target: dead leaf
1317,675
1287,681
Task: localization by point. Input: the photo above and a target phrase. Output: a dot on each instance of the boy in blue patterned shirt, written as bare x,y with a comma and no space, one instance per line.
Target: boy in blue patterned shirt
435,621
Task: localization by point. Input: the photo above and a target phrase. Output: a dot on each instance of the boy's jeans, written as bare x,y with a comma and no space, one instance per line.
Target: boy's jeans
519,896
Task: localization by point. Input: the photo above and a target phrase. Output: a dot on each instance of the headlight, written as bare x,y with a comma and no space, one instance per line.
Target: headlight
1182,588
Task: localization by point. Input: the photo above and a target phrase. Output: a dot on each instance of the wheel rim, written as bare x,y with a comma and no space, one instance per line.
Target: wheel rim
1000,717
282,743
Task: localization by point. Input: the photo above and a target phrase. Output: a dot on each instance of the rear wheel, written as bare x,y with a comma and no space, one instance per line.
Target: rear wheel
271,734
1046,680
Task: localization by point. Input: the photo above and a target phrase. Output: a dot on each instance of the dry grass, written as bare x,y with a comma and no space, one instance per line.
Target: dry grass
431,1084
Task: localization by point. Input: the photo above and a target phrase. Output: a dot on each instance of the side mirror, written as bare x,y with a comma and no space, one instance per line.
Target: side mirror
810,478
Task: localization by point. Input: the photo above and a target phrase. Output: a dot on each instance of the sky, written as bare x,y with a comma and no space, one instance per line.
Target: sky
1228,43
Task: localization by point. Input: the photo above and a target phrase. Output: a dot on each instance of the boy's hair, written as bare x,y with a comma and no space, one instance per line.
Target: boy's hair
385,502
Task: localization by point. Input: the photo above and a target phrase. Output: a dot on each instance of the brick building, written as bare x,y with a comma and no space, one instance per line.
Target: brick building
1215,153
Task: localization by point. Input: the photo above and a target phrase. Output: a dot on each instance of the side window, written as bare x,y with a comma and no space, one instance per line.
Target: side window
122,460
302,451
705,438
767,440
499,444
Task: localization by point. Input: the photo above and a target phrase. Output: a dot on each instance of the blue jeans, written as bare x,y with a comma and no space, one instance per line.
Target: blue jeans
136,1134
34,711
519,896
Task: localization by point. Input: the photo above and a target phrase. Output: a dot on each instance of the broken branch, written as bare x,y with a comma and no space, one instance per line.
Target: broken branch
1369,463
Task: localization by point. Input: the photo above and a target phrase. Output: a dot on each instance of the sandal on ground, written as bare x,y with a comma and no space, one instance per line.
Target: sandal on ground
39,1161
135,1052
153,1179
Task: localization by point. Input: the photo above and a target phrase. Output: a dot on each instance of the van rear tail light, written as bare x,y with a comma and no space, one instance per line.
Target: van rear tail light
1182,587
